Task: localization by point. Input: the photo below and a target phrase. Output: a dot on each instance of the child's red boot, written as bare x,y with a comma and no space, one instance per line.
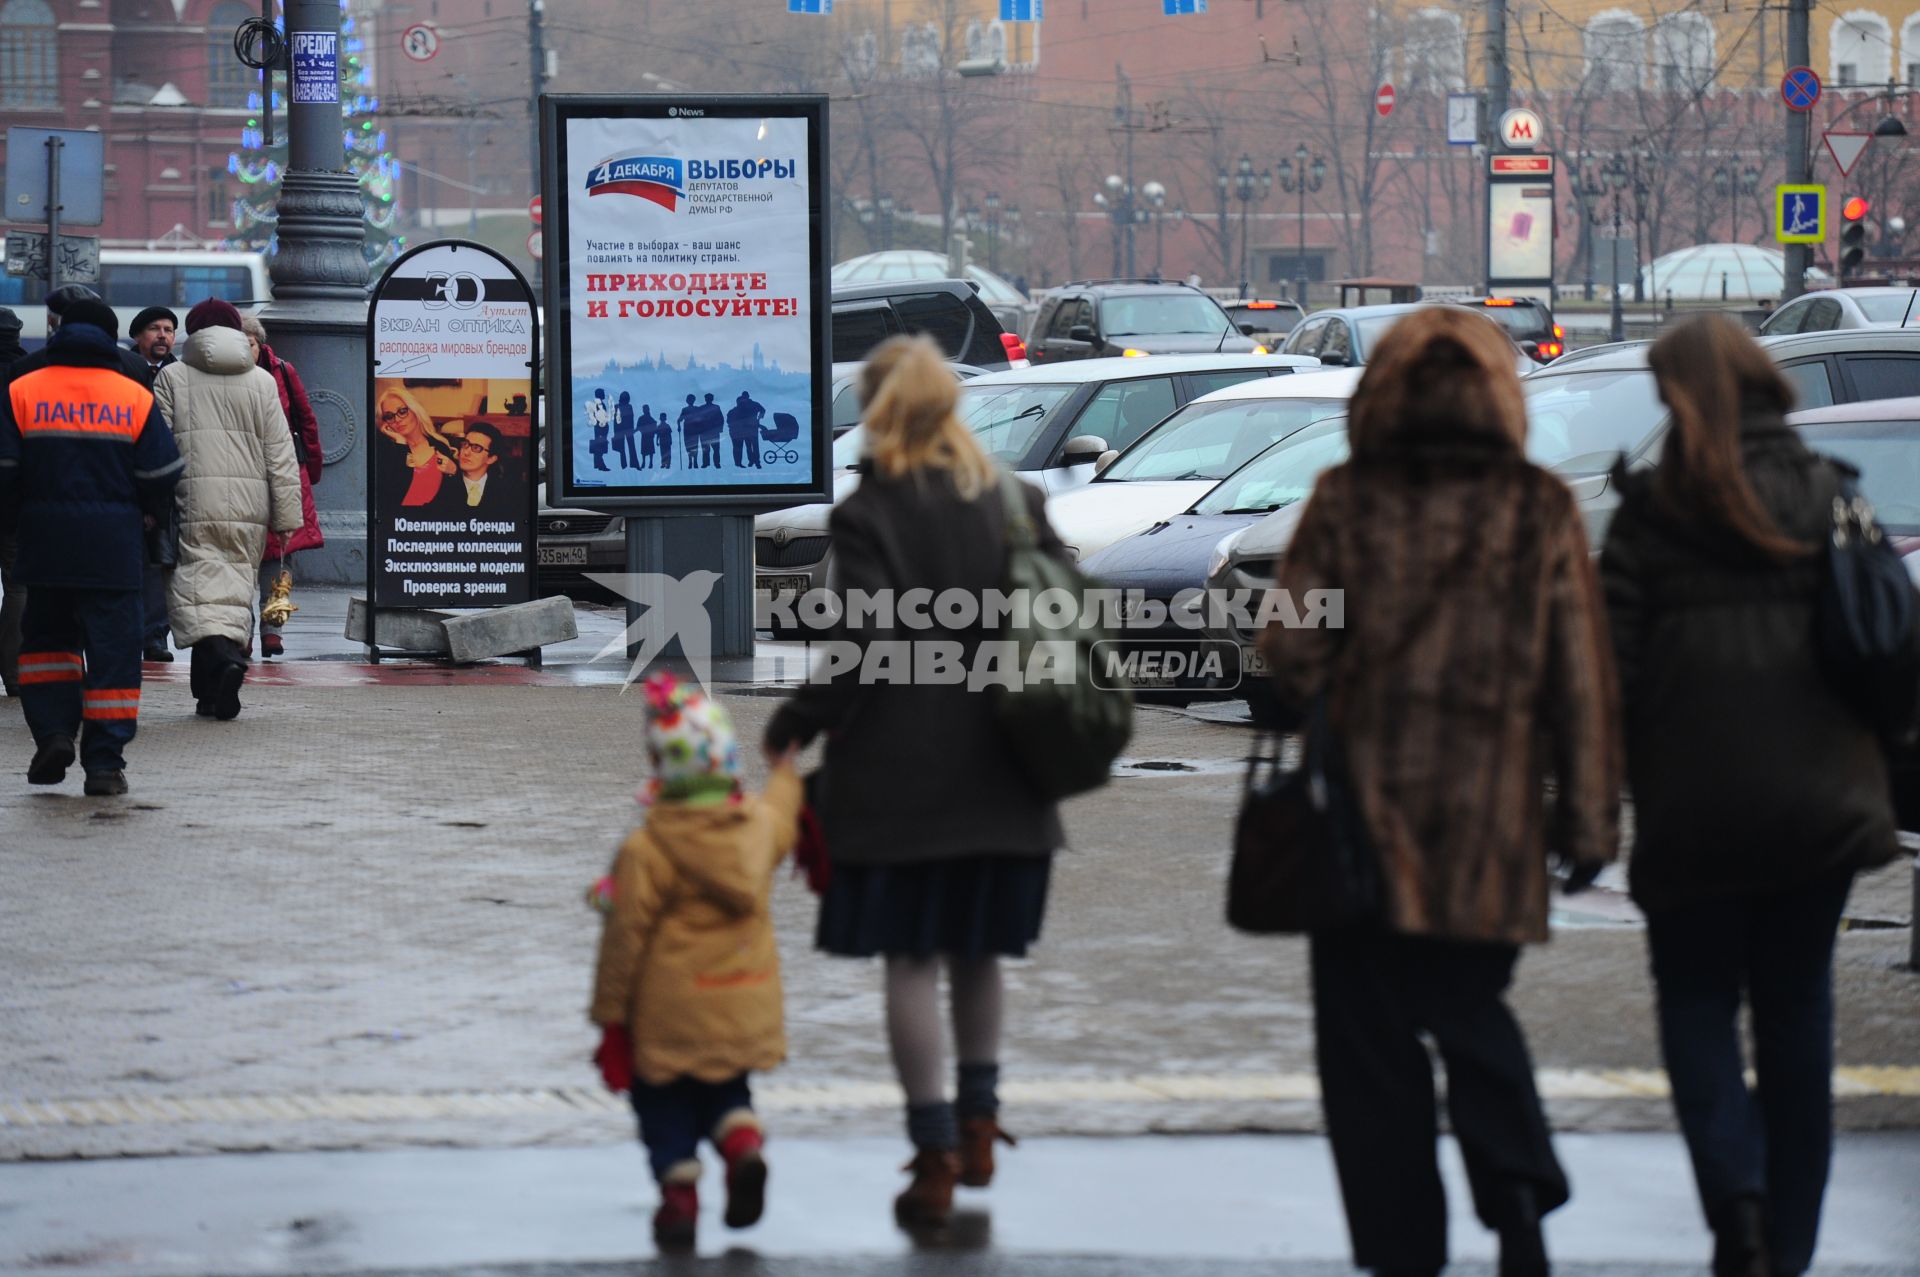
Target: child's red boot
679,1213
741,1141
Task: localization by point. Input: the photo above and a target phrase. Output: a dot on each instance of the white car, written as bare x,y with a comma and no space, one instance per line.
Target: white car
1181,459
1050,424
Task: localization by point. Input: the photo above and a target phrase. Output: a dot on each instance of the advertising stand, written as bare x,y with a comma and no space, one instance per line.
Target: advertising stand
687,362
453,458
1520,227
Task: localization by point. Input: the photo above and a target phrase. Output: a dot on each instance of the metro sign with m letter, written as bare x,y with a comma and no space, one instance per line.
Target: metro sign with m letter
1521,129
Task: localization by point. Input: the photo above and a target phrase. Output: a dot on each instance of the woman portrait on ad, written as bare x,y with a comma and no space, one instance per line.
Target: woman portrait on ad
429,454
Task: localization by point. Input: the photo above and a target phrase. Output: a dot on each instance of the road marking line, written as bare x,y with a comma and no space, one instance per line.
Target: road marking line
1853,1082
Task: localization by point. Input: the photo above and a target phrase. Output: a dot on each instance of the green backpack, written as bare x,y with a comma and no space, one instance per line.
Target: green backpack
1065,734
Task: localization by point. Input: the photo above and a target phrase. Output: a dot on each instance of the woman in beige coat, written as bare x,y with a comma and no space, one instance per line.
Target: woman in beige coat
242,479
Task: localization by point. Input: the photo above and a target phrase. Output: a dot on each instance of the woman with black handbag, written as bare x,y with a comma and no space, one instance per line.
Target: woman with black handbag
940,844
1469,659
1759,784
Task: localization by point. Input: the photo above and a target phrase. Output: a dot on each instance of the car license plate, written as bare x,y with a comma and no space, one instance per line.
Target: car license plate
1253,662
554,556
784,584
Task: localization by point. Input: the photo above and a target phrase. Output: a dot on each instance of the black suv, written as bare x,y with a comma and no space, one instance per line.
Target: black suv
1094,319
947,310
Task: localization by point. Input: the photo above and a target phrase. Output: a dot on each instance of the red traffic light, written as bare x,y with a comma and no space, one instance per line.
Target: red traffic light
1854,209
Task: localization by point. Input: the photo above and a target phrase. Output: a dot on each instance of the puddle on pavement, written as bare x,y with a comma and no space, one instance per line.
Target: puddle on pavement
1137,767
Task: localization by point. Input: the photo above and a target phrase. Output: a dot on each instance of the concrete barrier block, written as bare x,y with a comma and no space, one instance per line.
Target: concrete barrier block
503,631
408,631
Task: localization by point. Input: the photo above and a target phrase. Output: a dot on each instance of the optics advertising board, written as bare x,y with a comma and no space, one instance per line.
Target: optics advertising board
451,460
687,259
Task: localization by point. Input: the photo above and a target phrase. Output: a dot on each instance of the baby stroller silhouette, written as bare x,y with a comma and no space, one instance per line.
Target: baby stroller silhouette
785,429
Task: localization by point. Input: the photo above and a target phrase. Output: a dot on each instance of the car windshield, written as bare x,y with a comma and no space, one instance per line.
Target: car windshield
1007,419
1580,421
1162,313
1885,308
1889,465
1212,440
1282,475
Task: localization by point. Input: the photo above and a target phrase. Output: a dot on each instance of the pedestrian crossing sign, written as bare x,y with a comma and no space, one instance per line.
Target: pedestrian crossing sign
1800,214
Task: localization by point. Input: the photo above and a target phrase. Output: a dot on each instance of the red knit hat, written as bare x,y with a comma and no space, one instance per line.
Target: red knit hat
212,313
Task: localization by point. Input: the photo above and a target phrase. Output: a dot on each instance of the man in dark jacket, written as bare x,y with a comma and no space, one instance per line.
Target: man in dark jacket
152,333
12,601
84,452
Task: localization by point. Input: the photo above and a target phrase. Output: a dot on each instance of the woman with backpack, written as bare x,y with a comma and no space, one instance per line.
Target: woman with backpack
940,847
1469,659
1758,790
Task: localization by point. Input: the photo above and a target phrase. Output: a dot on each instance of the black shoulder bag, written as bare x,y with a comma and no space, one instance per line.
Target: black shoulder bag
1302,858
1867,618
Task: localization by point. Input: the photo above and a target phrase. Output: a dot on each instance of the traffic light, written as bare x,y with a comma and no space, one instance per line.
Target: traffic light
1853,233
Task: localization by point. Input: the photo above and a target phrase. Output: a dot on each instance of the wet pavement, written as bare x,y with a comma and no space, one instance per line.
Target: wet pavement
1064,1206
351,921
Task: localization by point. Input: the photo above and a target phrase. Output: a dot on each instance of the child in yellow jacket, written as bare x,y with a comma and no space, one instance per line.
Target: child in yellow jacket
687,990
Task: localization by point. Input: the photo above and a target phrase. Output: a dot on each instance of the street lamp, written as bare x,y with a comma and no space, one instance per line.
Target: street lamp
1733,182
1302,175
1617,176
1118,201
1249,187
1589,186
886,206
1157,202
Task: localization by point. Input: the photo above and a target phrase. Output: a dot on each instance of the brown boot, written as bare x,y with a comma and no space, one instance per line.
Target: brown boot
977,1136
928,1200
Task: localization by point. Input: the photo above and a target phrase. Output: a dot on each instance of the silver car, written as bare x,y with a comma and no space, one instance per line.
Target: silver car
1050,424
1837,308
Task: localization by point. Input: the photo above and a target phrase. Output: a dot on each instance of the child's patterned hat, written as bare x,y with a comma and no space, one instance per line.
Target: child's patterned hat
690,740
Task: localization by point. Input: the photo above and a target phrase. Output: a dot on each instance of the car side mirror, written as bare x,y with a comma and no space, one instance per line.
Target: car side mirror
1333,358
1082,450
1080,332
1107,458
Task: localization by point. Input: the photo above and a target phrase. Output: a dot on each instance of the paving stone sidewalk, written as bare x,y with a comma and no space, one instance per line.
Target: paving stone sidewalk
375,887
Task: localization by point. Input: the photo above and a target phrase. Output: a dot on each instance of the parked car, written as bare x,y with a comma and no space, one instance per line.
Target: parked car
1526,320
1050,424
1097,319
1836,308
574,543
1584,414
1153,567
1346,338
845,404
947,310
1182,458
1266,321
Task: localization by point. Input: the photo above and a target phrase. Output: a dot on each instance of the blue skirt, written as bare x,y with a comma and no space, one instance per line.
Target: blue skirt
964,906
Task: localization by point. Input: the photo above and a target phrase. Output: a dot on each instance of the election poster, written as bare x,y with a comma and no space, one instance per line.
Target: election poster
452,461
687,255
